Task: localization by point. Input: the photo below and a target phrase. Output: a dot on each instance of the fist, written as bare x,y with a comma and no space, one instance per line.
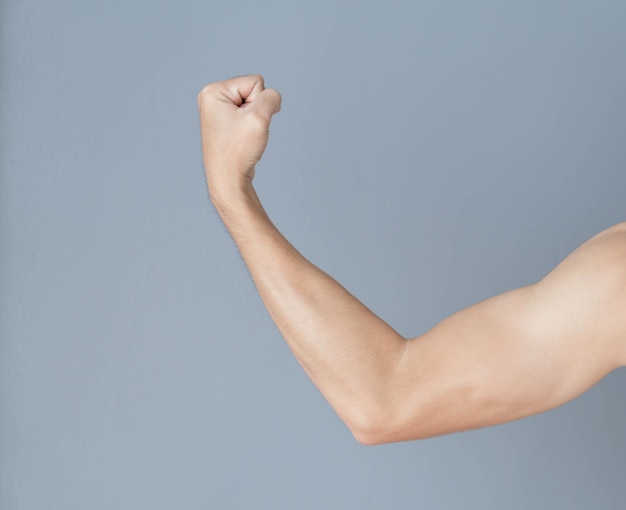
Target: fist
235,117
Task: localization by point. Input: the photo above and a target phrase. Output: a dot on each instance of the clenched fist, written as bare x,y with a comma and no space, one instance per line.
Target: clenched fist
235,117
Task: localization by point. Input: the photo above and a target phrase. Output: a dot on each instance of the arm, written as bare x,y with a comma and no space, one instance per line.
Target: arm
510,356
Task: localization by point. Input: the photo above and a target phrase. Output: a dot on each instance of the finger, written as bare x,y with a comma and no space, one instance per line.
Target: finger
243,89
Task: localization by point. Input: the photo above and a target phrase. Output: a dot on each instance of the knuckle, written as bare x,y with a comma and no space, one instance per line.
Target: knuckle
205,93
259,78
202,94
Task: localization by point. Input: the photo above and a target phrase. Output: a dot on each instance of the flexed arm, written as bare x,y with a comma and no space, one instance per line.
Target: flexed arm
510,356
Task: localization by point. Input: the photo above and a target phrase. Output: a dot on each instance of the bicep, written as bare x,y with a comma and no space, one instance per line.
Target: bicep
517,354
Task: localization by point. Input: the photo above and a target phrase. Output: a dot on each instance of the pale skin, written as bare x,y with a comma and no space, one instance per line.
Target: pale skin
519,353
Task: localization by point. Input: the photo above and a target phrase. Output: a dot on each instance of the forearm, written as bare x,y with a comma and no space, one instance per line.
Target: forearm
348,352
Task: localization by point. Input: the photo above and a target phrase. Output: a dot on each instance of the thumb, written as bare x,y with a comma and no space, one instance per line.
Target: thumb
267,103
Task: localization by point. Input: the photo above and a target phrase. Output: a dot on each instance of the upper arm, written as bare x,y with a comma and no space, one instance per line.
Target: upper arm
519,353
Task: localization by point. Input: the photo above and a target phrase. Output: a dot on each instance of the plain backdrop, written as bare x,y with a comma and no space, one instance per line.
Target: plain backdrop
428,155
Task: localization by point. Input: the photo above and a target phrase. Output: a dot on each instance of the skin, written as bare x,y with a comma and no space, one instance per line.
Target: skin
517,354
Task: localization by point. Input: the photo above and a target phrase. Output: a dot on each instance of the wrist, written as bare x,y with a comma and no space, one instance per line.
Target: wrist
233,197
228,185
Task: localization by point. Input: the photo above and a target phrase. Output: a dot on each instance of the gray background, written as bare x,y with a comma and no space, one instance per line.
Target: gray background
427,156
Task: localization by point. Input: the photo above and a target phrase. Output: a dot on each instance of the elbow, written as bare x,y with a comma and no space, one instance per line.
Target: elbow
389,420
369,435
371,427
381,416
369,439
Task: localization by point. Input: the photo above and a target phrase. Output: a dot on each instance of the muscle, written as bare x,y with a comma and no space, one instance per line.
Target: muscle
519,353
